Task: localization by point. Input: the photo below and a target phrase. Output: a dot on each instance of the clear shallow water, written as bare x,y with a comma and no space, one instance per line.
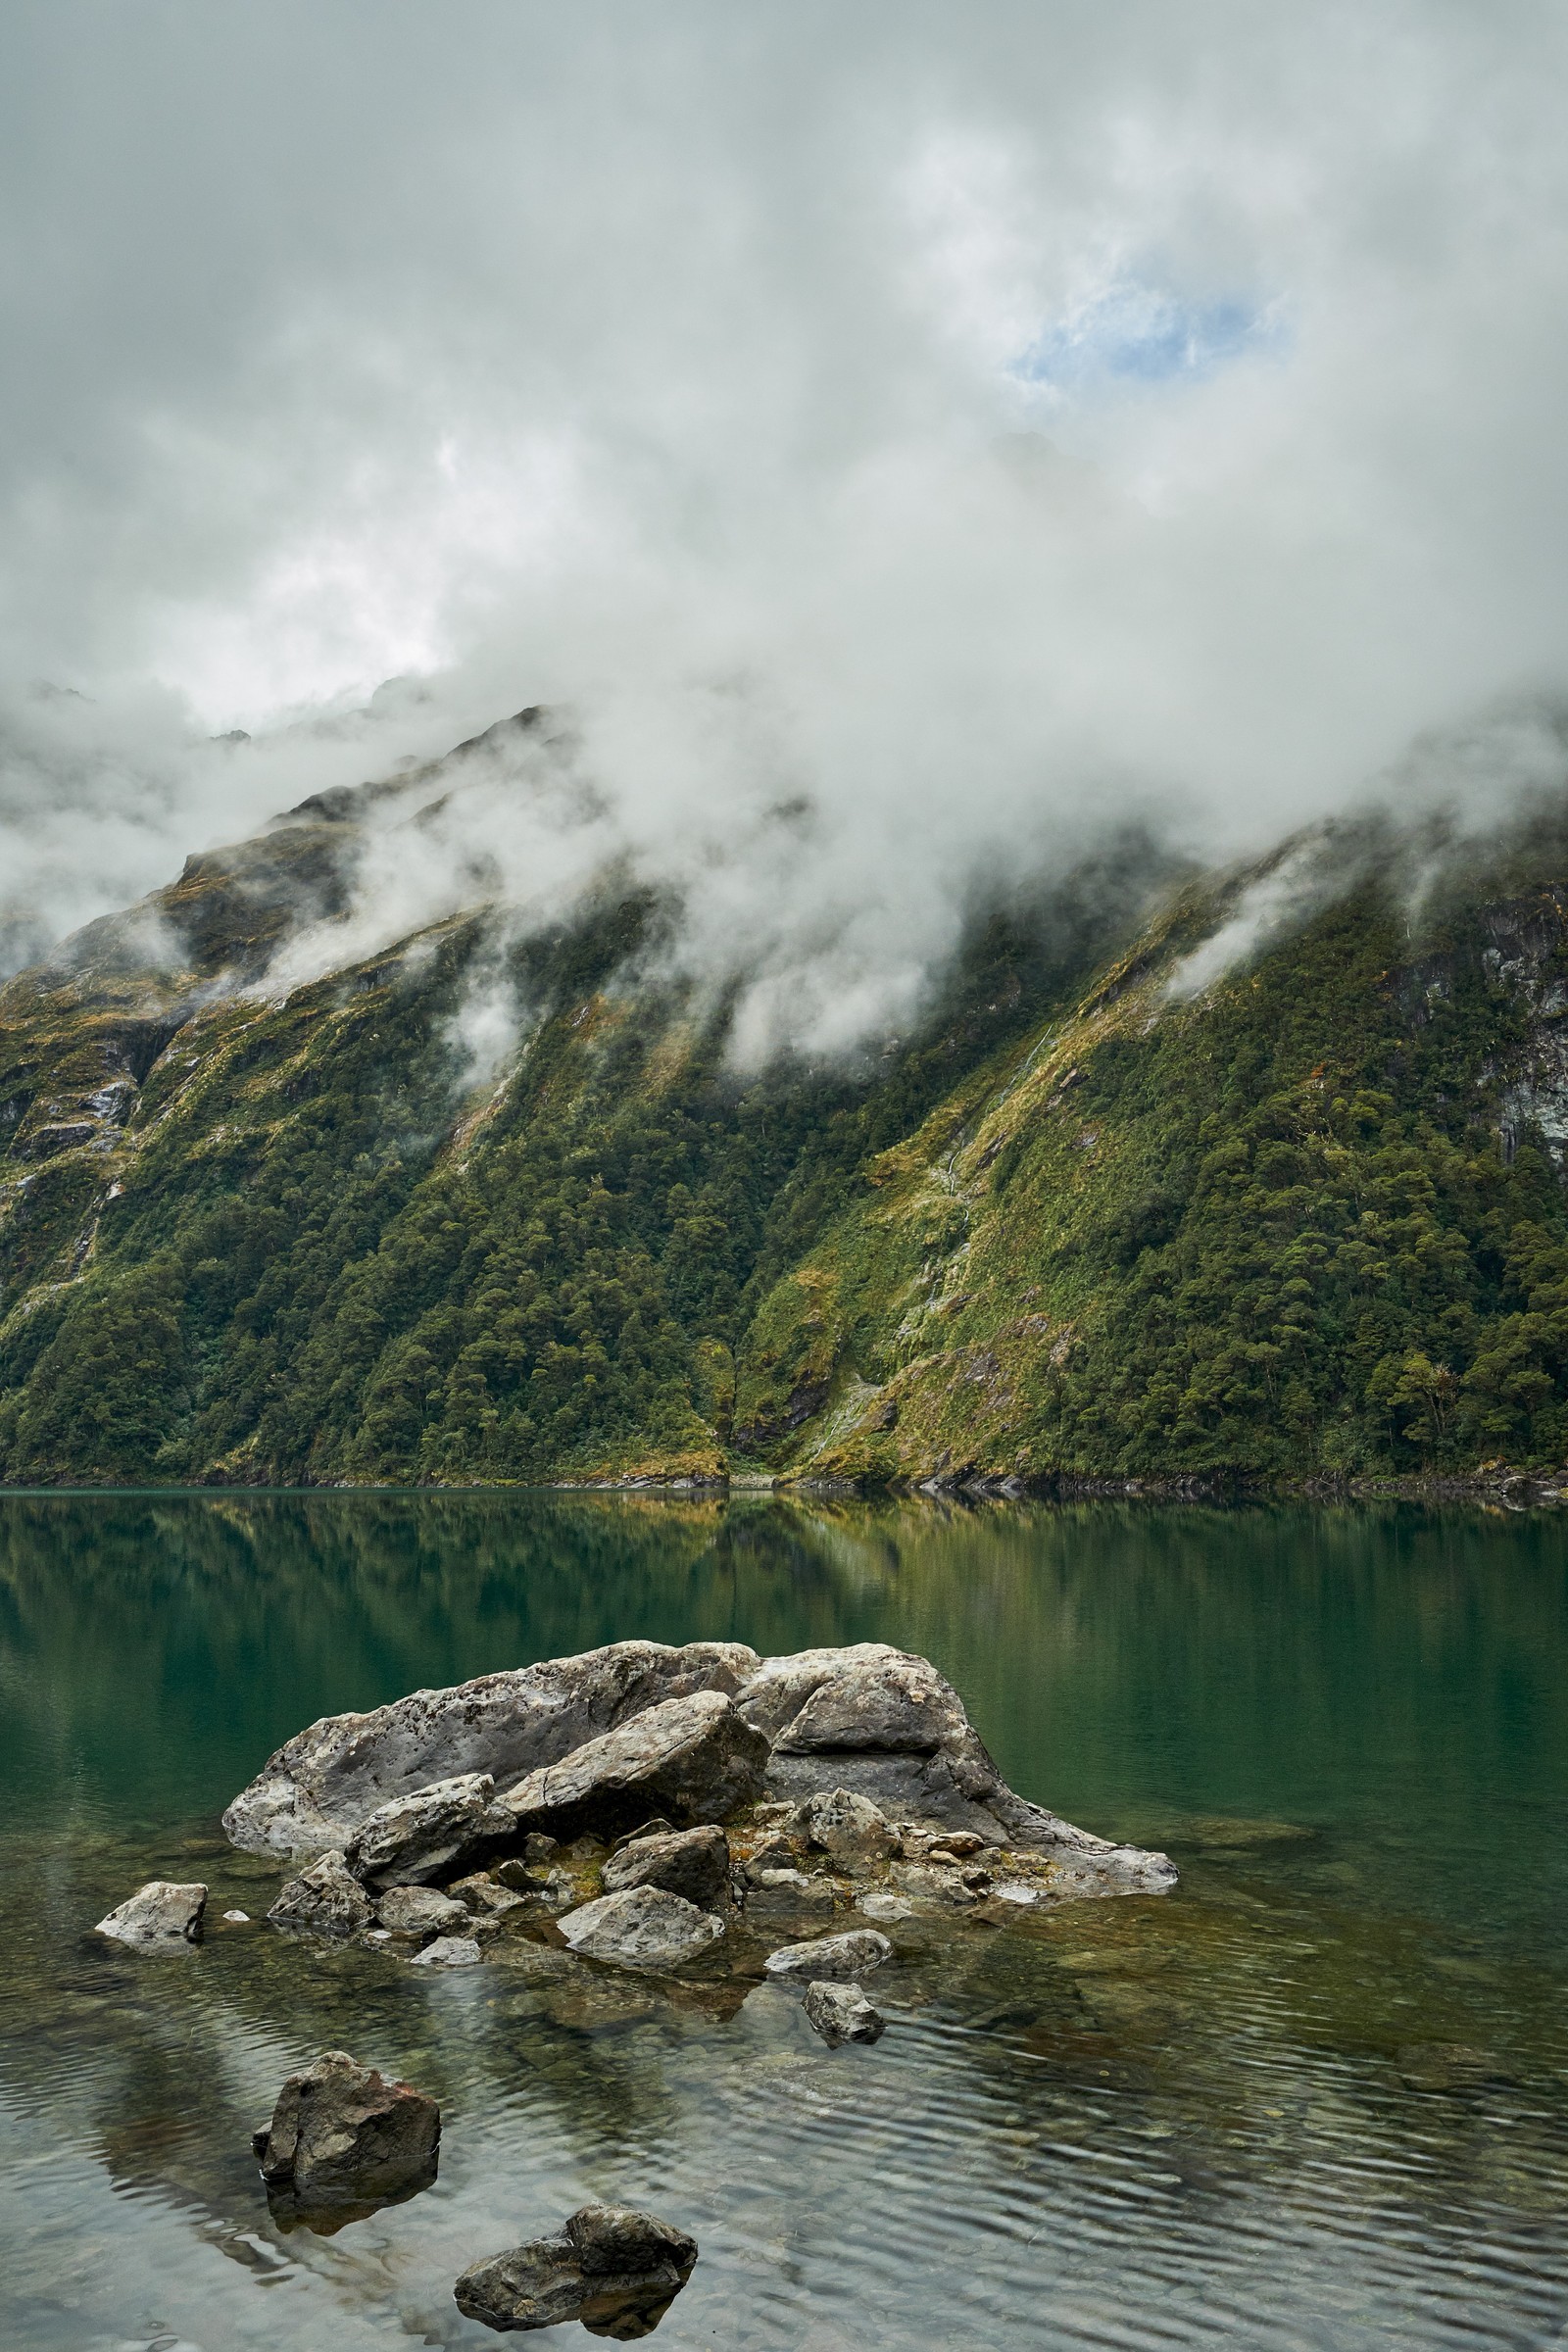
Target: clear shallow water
1318,2098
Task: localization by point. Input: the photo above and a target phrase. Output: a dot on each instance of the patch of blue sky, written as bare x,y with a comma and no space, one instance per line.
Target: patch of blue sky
1132,333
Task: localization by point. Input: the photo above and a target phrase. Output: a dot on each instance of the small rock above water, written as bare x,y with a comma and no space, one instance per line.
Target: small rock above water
841,2013
839,1959
421,1911
615,2269
642,1926
417,1838
483,1896
162,1911
694,1863
848,1827
344,2135
323,1900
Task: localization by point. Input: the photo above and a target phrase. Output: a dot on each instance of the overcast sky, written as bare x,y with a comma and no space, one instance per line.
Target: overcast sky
973,420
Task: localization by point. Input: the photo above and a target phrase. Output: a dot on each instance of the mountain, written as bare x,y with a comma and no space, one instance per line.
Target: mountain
1126,1207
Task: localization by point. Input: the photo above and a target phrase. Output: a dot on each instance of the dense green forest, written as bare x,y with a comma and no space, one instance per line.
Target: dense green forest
1090,1222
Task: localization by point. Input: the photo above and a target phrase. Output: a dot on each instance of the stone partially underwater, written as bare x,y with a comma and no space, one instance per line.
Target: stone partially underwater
436,1786
614,2270
344,2140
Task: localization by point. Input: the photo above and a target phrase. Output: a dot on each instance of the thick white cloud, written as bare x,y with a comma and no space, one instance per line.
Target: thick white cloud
978,423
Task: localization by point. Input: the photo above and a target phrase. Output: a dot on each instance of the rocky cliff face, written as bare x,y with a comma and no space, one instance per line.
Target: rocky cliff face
1094,1220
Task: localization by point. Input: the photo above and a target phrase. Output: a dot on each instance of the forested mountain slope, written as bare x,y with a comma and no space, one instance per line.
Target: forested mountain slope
1094,1220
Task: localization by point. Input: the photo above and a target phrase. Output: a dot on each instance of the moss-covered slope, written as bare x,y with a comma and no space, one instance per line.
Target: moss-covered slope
1306,1219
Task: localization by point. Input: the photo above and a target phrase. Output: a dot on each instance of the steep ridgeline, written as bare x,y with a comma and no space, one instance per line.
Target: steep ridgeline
1307,1221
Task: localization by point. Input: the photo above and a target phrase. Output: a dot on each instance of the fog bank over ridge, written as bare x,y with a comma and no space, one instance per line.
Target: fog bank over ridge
898,450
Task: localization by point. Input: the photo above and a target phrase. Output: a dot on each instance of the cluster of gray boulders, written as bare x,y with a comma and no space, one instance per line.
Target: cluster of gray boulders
644,1807
440,1783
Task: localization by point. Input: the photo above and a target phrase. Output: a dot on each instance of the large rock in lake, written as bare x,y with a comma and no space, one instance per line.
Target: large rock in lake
885,1725
602,1740
615,2269
343,2134
325,1782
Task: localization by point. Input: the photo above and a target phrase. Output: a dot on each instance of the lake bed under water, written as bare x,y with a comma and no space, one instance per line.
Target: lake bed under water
1317,2096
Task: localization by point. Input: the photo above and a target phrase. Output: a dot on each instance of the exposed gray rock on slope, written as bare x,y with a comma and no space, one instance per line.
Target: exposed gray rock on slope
690,1733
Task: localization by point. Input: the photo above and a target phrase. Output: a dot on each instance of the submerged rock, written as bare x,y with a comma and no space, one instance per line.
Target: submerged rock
614,2270
415,1838
448,1952
881,1903
841,2013
643,1926
696,1759
164,1911
836,1958
342,2133
1437,2066
694,1863
325,1899
421,1911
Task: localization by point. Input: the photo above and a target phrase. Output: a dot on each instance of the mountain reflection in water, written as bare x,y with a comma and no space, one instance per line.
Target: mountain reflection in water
1316,2097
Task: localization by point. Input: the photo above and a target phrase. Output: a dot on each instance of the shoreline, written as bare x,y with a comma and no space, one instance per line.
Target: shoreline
1501,1489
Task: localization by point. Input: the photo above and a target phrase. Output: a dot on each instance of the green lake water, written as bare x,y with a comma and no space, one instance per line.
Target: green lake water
1316,2097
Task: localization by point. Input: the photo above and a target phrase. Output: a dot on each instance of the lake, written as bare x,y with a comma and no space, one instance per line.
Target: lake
1316,2097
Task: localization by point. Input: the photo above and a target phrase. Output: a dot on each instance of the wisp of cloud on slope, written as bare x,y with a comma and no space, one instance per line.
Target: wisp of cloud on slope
904,445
